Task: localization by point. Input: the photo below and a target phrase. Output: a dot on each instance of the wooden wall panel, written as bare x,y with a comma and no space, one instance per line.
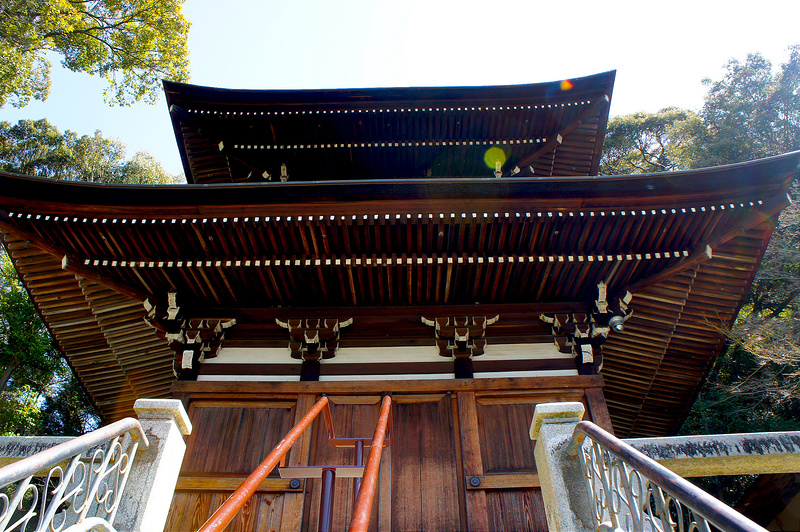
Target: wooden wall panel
441,438
516,510
505,443
233,440
225,442
425,484
506,447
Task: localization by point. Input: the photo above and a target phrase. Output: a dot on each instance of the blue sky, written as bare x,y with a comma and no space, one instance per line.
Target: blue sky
661,51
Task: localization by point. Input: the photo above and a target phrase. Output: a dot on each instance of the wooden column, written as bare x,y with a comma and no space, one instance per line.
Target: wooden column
292,516
598,410
477,511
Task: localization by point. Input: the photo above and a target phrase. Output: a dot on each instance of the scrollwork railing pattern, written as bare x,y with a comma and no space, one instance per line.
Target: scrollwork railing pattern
76,484
629,491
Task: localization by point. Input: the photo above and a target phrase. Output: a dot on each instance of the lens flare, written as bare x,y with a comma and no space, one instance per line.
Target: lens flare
494,155
566,85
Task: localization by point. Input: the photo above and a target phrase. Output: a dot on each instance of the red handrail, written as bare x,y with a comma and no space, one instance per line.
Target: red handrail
366,494
225,513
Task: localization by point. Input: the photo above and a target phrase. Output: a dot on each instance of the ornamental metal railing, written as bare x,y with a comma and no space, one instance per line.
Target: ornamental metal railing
74,486
630,491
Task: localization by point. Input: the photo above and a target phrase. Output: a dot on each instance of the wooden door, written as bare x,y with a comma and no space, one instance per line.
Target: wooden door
418,485
502,487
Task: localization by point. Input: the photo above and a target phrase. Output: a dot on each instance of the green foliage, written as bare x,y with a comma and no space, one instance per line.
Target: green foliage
24,342
646,142
133,44
39,149
18,412
38,392
752,113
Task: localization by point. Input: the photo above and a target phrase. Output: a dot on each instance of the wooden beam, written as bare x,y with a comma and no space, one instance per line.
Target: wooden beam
230,483
505,481
701,255
477,508
292,514
598,410
73,265
769,208
252,390
264,315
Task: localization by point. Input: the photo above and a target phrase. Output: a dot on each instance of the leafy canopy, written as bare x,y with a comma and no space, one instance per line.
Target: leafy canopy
38,392
24,341
645,142
130,43
38,148
752,113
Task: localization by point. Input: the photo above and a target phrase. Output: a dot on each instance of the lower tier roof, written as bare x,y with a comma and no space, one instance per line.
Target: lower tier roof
686,245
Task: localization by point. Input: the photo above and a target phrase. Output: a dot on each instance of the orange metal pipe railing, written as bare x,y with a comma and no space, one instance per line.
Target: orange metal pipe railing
366,494
225,513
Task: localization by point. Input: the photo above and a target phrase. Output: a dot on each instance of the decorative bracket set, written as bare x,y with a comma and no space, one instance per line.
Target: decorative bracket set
583,334
459,338
312,340
192,340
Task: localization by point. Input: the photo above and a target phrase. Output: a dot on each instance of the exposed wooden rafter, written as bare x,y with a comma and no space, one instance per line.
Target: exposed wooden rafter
558,138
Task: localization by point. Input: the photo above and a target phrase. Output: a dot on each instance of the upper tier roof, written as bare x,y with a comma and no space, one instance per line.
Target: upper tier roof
544,129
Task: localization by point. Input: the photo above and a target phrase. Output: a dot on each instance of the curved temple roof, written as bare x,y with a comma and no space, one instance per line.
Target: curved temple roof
686,245
544,129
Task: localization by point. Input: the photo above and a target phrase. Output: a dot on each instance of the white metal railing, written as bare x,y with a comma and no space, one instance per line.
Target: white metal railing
630,491
74,486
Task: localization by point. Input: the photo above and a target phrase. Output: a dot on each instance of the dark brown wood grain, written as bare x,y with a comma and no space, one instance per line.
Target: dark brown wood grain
598,411
292,511
477,510
425,484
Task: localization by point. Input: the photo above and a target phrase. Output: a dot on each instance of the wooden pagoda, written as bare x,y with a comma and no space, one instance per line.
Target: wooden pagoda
452,247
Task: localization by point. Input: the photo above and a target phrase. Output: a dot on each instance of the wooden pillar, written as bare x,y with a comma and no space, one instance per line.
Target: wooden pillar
292,516
598,410
477,509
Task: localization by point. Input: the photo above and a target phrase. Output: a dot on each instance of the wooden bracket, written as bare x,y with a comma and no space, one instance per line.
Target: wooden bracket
192,340
314,339
460,336
583,333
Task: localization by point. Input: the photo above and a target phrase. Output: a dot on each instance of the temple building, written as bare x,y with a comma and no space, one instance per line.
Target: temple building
452,248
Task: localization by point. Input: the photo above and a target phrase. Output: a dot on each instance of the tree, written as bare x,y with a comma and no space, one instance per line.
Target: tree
646,142
38,392
25,347
38,148
752,113
130,43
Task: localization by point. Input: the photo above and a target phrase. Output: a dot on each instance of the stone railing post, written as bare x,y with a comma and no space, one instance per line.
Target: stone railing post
152,480
566,500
